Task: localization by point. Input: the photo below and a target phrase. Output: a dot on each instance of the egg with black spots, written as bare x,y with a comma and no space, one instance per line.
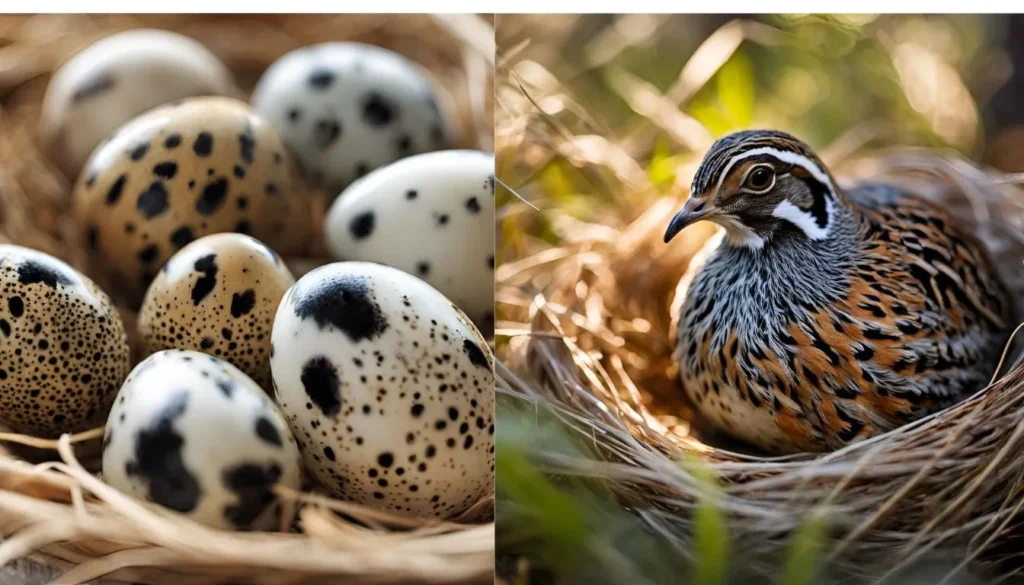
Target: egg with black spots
218,295
431,215
194,434
117,78
179,172
63,347
389,389
347,108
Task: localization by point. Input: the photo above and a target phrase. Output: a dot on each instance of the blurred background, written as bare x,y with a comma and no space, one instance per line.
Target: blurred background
599,118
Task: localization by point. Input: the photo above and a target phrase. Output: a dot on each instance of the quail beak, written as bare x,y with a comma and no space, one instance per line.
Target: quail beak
692,212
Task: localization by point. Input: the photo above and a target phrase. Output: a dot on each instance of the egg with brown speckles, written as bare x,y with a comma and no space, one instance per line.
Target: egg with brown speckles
193,434
63,348
117,78
218,295
389,389
176,173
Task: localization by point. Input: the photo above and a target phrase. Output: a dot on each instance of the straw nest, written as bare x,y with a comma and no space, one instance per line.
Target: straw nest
54,510
585,333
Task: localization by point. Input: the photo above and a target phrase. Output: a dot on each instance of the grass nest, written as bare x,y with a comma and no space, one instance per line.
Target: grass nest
53,509
585,336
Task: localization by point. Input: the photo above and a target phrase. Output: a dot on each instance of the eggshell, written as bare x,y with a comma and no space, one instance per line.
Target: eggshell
431,215
63,348
389,389
194,434
218,295
347,108
117,78
179,172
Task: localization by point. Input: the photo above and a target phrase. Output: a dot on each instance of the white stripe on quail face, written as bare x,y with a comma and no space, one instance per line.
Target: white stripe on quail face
786,210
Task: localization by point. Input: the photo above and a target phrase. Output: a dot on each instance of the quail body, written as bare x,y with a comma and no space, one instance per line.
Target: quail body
822,316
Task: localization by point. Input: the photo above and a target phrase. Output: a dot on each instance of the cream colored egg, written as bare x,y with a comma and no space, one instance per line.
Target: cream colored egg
389,389
179,172
218,295
63,348
117,78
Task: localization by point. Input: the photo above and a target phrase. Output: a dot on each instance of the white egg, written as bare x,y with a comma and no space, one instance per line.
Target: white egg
195,435
388,387
431,215
115,79
347,108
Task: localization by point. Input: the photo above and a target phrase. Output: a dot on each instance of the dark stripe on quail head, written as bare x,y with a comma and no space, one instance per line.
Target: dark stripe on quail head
726,148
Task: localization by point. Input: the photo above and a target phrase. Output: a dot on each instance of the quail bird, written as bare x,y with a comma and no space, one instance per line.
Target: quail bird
823,315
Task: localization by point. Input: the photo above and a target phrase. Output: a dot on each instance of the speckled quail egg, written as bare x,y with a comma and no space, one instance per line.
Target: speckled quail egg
348,108
178,172
218,295
194,434
118,78
431,215
63,348
388,387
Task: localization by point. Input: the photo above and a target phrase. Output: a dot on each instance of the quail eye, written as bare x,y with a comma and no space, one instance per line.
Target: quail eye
760,179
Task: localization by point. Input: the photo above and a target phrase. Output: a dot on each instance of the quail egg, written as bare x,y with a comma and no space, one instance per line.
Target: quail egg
118,78
388,387
218,295
178,172
348,108
192,433
63,348
431,215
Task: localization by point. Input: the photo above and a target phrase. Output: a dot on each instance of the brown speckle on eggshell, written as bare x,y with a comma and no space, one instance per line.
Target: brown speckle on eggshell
218,295
63,347
179,172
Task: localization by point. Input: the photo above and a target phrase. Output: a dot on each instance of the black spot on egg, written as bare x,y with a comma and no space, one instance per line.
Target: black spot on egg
92,235
320,379
16,306
172,141
252,483
362,225
378,111
203,144
476,355
342,301
182,236
242,304
97,85
329,453
213,196
166,170
473,205
32,272
5,328
148,254
114,193
139,151
158,460
153,201
294,114
411,194
266,431
321,79
326,132
207,266
246,144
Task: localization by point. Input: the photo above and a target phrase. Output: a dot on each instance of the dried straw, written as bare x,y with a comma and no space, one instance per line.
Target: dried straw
60,514
589,339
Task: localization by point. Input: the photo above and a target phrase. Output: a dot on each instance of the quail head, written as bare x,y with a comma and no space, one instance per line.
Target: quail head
821,316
